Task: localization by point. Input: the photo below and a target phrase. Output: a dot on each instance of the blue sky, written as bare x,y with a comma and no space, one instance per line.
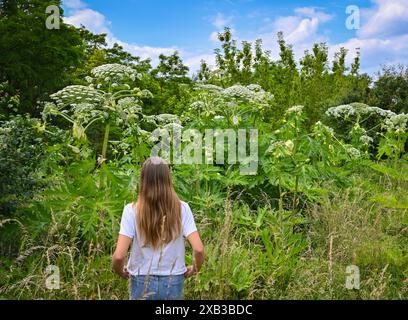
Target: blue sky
148,28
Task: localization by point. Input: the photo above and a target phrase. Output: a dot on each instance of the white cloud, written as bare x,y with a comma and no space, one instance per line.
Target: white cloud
311,12
193,61
296,29
302,28
96,22
146,52
214,36
91,19
376,52
220,21
388,18
383,37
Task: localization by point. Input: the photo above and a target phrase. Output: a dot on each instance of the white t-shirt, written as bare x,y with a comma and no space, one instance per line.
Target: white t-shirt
145,260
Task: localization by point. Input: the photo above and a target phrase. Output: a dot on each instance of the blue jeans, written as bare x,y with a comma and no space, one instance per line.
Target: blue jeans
157,287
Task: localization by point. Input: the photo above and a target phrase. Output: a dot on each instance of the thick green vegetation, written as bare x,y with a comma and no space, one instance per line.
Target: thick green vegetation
330,189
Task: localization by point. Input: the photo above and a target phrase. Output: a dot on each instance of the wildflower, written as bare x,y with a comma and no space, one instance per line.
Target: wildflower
253,92
150,119
219,118
342,111
76,93
49,109
366,140
238,91
235,120
398,122
353,152
145,94
114,72
281,149
197,105
357,109
129,103
84,112
167,118
255,87
295,110
209,87
320,128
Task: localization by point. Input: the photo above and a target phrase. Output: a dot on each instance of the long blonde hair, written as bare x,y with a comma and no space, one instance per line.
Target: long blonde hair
158,207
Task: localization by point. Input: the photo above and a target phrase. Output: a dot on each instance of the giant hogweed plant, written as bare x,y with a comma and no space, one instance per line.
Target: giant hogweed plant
390,131
95,194
233,106
298,160
77,195
213,107
109,98
372,124
394,137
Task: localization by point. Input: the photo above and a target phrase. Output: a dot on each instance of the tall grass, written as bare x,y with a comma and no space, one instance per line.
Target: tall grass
250,254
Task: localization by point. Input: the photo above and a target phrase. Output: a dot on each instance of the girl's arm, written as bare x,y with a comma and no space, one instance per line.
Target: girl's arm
119,257
198,253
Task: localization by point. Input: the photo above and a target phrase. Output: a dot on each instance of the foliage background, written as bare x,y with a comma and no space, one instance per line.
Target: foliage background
330,190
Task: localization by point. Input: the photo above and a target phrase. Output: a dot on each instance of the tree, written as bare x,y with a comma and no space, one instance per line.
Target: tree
98,53
171,68
170,84
35,60
204,74
390,91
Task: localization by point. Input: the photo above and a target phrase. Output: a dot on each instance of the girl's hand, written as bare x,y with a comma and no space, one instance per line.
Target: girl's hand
125,274
190,272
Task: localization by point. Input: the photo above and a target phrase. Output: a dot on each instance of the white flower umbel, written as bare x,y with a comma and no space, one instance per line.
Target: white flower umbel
164,119
197,105
397,123
130,104
128,109
342,111
353,152
320,128
114,72
252,92
280,149
298,110
85,112
357,110
366,140
219,118
77,94
209,87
